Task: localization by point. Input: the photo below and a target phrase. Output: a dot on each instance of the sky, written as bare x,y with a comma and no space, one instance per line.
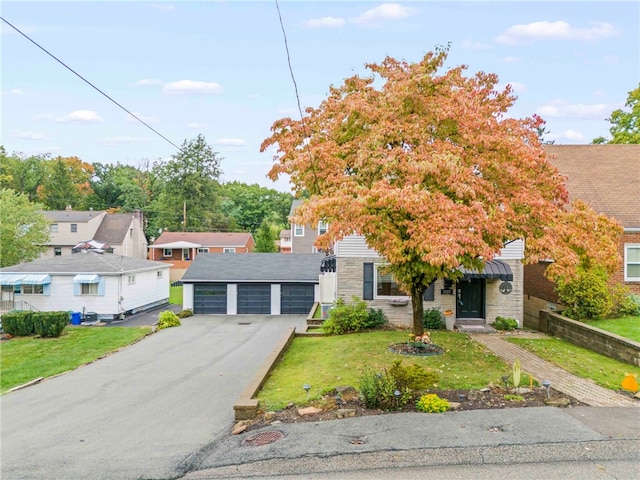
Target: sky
220,68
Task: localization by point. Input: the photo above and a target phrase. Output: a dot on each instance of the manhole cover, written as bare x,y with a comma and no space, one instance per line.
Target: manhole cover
262,438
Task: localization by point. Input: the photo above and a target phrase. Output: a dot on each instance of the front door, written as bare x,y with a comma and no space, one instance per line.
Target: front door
470,298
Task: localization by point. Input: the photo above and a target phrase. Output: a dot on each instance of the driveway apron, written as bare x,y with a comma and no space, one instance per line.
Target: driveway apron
142,411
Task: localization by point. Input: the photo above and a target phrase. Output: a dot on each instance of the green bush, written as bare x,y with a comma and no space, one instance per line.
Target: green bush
626,303
412,377
168,319
375,319
503,323
345,318
587,296
377,391
187,312
432,403
19,323
433,319
50,324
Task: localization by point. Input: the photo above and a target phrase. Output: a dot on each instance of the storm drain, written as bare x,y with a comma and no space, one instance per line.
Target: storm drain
262,438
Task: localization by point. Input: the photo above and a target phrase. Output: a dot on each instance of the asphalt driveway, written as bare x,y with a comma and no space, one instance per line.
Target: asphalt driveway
142,412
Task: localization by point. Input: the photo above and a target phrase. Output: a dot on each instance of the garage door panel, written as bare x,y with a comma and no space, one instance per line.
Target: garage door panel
210,298
296,298
254,298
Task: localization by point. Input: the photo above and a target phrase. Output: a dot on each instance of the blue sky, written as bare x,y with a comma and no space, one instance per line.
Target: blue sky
220,68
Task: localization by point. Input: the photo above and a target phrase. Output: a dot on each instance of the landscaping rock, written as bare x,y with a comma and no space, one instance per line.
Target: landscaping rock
308,411
557,402
269,416
345,413
239,429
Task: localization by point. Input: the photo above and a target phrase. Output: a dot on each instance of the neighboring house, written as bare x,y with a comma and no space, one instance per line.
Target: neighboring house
284,246
105,284
475,300
122,232
181,248
303,237
256,283
607,177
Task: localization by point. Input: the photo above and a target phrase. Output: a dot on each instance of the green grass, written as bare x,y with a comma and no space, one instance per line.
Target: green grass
584,363
628,327
175,295
23,359
331,361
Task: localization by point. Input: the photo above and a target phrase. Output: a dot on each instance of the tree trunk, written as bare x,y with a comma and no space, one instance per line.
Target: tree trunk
417,291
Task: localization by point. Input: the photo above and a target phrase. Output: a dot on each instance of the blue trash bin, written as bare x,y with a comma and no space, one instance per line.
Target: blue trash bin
75,318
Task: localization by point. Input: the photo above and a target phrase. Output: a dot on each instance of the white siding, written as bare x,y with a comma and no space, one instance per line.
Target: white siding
146,290
232,299
512,251
354,246
275,299
187,296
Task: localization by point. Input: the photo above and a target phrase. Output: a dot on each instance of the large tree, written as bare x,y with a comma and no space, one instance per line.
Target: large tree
21,173
425,164
65,183
625,124
24,231
118,186
265,238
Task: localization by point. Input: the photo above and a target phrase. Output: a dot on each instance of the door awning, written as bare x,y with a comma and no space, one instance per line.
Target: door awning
86,278
36,279
495,269
11,278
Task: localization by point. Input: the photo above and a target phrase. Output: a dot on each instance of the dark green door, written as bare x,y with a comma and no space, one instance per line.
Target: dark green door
470,298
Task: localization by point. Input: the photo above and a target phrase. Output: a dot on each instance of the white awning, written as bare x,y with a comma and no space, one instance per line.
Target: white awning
11,278
36,279
180,244
86,279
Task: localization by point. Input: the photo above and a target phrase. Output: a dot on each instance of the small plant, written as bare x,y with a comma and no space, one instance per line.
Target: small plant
348,318
433,319
514,398
432,403
412,377
187,312
504,323
377,390
168,319
375,319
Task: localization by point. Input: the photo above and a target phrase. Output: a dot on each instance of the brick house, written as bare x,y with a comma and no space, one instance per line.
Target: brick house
607,177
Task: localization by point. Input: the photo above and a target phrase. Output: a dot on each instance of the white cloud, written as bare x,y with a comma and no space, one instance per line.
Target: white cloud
230,142
564,109
329,22
520,34
381,13
166,7
80,116
121,140
573,135
147,82
186,87
30,136
195,125
476,45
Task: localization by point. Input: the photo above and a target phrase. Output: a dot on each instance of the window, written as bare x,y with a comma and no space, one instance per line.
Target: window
229,250
322,227
57,251
88,289
203,250
131,279
74,227
53,228
159,274
167,252
131,232
386,285
298,230
32,289
632,262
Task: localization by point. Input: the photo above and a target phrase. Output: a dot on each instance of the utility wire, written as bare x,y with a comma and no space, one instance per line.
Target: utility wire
91,84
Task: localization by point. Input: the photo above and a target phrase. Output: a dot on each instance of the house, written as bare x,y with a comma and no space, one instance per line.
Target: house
181,248
474,300
284,245
122,233
255,283
303,237
607,177
104,284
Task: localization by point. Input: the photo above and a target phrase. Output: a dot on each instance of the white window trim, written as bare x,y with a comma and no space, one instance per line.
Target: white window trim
22,292
322,225
90,286
295,230
628,246
203,250
73,228
375,286
159,275
167,252
131,279
53,228
229,250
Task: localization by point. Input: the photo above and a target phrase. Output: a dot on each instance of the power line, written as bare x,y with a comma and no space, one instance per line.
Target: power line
91,84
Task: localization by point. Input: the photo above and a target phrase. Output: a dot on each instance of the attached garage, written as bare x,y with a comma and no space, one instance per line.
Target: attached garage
254,298
210,298
296,298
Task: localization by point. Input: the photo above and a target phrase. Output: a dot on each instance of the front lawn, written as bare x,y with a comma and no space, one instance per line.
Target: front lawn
628,327
175,295
331,361
584,363
23,359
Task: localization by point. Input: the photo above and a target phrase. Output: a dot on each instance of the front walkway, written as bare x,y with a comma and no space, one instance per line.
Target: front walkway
582,389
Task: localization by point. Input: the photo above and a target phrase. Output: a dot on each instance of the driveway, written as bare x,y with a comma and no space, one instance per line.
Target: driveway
142,412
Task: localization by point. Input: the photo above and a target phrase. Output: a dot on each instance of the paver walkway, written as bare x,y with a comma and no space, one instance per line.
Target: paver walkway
582,389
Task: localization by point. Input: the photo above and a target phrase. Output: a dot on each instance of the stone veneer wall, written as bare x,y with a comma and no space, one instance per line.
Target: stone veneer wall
583,335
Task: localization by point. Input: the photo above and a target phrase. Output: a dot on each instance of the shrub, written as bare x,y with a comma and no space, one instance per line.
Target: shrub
433,319
49,324
187,312
587,296
345,318
377,391
412,377
503,323
626,303
375,319
432,403
168,319
19,323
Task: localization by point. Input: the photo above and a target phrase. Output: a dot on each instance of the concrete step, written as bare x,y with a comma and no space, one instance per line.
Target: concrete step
467,328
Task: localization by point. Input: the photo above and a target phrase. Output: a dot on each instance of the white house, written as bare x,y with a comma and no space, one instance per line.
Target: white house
104,284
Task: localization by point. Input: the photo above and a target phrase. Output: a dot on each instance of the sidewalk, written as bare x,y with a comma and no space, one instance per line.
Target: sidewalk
584,390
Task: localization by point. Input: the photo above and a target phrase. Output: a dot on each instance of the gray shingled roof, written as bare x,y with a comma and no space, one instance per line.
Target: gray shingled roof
71,215
254,267
114,228
86,262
